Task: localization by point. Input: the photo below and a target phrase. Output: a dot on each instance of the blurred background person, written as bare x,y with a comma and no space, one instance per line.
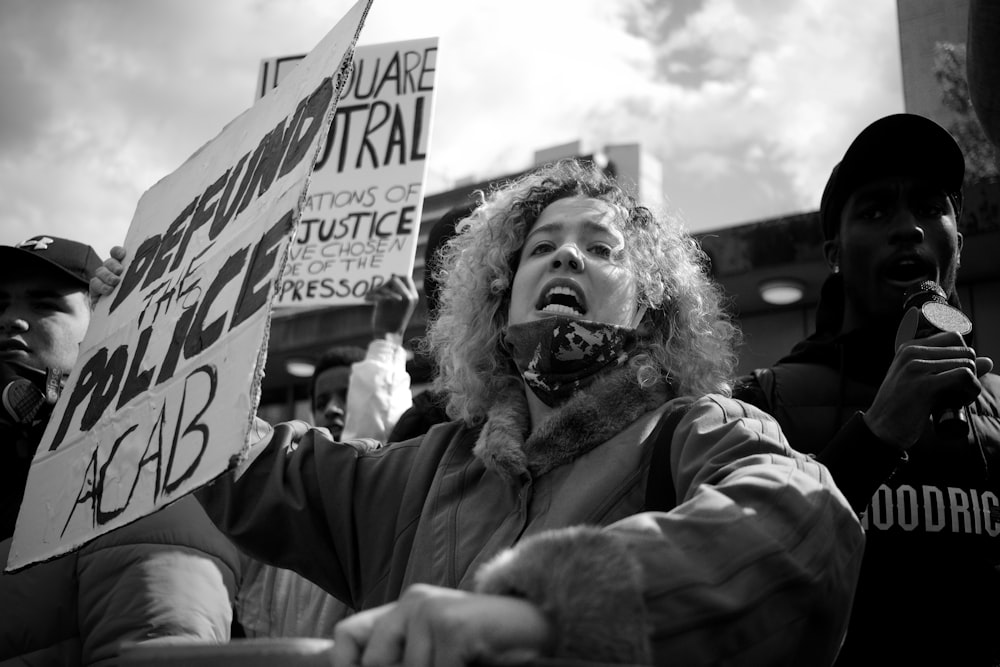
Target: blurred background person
328,387
169,576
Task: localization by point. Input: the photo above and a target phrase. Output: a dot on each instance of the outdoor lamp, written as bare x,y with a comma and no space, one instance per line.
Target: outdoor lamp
300,368
781,291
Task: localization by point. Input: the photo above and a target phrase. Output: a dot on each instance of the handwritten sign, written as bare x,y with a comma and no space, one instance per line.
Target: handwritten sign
168,379
361,218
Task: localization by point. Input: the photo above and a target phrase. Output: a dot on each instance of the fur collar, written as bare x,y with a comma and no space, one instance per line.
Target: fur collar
590,417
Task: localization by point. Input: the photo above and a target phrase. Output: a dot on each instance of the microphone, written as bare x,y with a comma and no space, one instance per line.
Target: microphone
926,311
24,393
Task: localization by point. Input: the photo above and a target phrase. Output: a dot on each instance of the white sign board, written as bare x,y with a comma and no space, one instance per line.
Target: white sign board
168,378
361,219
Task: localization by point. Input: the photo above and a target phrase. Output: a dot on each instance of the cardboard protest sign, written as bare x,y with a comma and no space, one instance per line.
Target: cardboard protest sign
361,219
167,382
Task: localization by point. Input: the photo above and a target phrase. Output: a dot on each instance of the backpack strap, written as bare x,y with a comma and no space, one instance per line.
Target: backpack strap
661,496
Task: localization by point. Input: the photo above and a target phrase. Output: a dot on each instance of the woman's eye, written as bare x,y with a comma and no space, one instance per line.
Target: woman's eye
601,250
541,247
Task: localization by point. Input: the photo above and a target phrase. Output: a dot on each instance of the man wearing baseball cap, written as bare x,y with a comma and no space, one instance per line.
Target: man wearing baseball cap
864,405
171,574
46,308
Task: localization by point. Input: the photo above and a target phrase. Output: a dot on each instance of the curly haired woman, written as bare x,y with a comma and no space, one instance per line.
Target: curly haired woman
573,325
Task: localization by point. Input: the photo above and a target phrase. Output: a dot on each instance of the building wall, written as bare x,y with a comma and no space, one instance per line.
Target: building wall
922,24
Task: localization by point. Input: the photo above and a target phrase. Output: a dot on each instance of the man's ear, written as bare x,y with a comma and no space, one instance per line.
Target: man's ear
831,250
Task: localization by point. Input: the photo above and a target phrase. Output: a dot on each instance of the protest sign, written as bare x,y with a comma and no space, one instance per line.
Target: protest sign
168,379
361,219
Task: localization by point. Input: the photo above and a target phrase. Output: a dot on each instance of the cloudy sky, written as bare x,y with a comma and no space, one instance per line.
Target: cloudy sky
747,103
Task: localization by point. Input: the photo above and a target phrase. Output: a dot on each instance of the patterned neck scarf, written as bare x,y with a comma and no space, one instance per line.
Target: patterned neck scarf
559,355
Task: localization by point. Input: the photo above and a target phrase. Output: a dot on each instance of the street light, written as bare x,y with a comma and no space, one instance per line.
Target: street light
781,291
300,368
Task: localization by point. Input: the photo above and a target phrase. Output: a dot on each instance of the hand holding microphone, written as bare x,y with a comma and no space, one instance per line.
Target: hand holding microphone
932,367
926,312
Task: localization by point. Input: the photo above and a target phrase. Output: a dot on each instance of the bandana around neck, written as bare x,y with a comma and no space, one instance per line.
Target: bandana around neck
559,355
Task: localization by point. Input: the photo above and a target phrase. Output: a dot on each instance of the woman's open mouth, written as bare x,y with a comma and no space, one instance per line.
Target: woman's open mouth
562,300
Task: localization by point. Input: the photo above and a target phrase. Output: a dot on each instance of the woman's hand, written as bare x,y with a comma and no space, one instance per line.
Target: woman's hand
430,626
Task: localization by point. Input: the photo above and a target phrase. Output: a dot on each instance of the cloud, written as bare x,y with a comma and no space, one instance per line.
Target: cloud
753,98
756,99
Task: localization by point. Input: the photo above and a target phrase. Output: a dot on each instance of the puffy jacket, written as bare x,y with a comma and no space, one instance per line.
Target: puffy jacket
168,575
756,563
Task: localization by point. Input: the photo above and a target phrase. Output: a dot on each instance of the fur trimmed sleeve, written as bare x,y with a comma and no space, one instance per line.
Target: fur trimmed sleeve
756,565
589,585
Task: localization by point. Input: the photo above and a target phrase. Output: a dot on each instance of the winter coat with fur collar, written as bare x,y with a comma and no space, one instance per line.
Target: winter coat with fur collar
755,565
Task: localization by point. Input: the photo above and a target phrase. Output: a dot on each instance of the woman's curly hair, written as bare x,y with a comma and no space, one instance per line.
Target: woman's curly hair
687,339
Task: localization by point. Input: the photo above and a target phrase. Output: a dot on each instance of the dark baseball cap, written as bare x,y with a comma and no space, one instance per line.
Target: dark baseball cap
73,259
902,144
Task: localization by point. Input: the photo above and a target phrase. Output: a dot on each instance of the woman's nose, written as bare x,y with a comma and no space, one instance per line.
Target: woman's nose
568,255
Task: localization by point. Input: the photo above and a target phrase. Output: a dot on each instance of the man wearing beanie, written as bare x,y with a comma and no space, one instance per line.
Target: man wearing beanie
168,576
863,391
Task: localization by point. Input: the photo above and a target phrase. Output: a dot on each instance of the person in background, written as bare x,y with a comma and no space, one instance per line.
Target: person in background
860,392
599,495
379,389
328,387
170,576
